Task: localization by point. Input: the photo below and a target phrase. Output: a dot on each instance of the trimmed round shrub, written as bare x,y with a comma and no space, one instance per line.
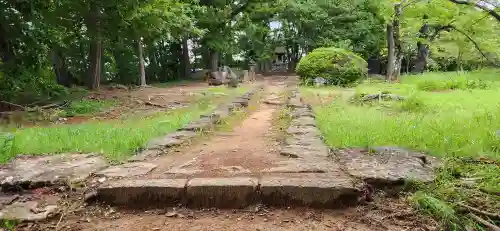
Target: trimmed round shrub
337,66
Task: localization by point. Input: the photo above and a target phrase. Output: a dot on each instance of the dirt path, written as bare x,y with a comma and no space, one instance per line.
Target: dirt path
384,215
248,149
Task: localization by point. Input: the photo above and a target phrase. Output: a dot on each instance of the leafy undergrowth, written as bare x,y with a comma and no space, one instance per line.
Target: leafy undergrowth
116,140
460,126
85,107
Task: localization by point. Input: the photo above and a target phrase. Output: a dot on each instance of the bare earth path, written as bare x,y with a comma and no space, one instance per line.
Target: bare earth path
249,148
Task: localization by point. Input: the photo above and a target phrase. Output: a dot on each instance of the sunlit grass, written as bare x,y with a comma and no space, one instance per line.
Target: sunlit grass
458,125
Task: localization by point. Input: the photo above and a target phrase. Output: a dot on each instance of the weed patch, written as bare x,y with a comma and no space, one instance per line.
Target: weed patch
86,106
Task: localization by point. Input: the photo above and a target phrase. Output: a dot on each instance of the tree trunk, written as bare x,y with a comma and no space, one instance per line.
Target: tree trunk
422,57
94,71
391,55
141,63
185,57
60,68
6,50
397,42
459,60
395,57
214,60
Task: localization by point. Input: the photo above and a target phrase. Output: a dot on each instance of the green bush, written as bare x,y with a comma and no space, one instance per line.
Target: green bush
337,66
30,85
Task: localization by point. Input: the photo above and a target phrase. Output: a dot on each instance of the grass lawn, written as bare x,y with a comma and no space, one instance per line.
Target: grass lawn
116,140
455,116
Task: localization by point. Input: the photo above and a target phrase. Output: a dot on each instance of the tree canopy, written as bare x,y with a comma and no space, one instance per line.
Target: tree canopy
46,46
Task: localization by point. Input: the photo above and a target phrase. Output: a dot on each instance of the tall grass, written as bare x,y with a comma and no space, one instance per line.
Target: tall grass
114,139
460,125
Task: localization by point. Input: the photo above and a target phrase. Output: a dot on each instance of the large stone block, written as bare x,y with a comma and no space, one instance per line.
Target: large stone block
236,192
316,192
143,193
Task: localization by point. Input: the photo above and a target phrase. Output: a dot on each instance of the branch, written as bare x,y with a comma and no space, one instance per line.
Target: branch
484,8
492,227
452,27
492,215
474,42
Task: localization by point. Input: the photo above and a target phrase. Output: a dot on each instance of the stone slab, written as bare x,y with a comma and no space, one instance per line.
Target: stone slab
29,211
183,134
46,170
306,152
303,130
145,154
143,193
200,125
305,140
235,192
223,112
295,102
301,165
386,166
299,112
128,170
243,102
164,142
315,192
304,121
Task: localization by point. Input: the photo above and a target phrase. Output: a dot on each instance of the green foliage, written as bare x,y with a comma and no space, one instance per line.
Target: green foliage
29,86
6,145
435,207
337,66
9,225
86,106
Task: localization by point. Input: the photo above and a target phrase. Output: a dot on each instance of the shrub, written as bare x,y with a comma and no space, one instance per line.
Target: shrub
337,66
30,86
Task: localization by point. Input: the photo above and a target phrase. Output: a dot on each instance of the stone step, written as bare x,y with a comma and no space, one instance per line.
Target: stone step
234,192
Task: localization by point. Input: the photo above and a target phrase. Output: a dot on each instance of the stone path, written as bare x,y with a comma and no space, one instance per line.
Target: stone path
251,164
245,166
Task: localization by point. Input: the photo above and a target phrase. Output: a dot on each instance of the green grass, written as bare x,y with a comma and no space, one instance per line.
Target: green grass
114,139
459,125
86,106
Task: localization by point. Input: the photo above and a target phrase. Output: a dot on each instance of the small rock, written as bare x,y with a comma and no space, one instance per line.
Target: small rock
319,81
171,214
102,179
